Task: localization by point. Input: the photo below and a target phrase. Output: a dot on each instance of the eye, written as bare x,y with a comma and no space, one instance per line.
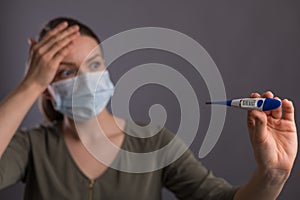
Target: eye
65,73
95,65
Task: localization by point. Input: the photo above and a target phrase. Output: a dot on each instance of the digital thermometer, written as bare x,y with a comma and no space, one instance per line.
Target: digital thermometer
263,104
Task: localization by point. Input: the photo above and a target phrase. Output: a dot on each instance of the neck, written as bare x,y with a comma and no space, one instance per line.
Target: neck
110,125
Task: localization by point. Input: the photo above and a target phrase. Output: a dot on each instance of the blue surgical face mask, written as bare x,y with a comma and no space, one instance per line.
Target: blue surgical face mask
84,96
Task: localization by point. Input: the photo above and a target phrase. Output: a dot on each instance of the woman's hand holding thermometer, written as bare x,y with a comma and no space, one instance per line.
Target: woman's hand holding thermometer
273,134
263,104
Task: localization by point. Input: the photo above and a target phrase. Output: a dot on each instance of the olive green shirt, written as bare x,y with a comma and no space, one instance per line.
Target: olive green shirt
40,158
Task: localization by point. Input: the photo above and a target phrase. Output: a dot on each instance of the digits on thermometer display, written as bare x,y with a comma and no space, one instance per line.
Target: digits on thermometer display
263,104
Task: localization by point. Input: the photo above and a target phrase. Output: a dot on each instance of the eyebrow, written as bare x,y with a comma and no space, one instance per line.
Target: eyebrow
91,58
71,64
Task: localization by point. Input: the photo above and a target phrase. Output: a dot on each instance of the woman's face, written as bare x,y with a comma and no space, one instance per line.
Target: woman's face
84,56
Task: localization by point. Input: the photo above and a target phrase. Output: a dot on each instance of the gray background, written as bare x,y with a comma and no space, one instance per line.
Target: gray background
255,45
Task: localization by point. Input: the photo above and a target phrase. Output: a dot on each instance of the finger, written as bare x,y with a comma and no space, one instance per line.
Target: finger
252,114
254,95
255,116
54,31
277,113
267,94
60,55
256,122
32,43
56,38
61,44
51,33
288,110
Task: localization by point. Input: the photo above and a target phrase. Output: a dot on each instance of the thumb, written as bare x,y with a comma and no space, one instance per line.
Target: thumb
257,124
31,42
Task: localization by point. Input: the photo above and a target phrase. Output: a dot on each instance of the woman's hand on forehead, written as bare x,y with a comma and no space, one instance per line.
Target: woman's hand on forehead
46,55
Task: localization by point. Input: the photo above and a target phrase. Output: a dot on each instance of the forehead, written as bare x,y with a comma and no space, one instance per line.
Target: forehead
83,48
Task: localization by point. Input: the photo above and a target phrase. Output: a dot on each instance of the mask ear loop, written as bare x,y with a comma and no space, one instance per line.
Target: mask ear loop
52,93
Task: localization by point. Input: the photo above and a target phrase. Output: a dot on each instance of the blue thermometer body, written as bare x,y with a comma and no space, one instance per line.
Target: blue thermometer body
263,104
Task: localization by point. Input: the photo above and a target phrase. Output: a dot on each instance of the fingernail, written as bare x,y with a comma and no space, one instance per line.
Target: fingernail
29,41
64,23
75,27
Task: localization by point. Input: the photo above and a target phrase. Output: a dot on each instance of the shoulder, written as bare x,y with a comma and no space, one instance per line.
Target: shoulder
40,131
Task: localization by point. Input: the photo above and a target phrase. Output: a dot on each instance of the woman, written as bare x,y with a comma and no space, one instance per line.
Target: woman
54,164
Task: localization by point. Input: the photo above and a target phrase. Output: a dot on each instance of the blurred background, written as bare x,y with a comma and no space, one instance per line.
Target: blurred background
255,45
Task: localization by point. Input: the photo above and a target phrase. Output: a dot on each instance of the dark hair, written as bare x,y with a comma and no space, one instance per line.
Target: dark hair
84,30
45,105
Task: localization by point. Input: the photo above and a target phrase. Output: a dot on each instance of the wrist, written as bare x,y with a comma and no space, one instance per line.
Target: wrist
272,177
27,85
265,184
